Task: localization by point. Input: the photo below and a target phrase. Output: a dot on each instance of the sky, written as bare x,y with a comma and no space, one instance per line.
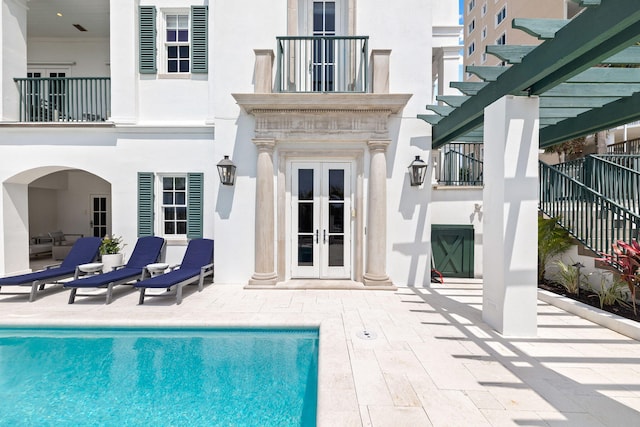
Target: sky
460,9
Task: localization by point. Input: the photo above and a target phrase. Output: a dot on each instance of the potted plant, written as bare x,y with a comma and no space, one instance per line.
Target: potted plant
110,252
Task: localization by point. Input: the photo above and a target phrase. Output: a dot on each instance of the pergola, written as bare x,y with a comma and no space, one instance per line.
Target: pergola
580,80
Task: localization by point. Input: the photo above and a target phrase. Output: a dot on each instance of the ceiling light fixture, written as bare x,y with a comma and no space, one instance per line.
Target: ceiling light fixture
59,14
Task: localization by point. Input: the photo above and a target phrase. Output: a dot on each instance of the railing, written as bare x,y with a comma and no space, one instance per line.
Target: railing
461,164
64,99
631,146
593,219
322,64
616,177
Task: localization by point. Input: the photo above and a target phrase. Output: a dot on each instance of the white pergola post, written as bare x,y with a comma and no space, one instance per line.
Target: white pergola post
511,129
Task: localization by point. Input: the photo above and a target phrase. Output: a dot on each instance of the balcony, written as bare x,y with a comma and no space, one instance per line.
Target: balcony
64,99
461,165
325,64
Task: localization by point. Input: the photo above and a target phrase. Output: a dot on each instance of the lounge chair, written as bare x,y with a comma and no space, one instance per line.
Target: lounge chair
197,263
146,251
83,251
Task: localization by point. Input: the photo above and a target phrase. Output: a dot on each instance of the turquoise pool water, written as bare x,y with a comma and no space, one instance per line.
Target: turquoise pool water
186,377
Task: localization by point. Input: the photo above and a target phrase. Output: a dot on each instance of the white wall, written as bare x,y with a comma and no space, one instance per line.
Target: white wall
90,57
236,35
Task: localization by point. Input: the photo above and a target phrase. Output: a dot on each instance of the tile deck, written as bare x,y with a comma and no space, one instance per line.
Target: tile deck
411,357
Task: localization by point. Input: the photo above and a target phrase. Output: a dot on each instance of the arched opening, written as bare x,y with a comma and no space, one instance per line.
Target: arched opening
45,209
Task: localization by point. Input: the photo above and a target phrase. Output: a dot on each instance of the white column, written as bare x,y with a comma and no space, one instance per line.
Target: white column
265,218
14,228
510,201
124,64
13,56
376,234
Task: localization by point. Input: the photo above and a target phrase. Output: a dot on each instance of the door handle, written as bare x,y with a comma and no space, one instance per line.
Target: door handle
324,235
317,237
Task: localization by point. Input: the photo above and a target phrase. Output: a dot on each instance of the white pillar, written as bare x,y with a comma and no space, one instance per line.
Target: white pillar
265,217
510,199
124,64
376,264
13,56
14,228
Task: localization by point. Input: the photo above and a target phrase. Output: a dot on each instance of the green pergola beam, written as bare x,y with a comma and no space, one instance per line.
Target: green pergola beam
441,110
488,74
468,88
561,112
543,29
594,35
607,75
593,89
452,100
512,54
575,102
588,2
432,119
609,116
630,55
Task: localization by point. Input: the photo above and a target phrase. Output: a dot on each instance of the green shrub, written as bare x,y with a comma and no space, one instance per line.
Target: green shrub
570,277
552,240
613,293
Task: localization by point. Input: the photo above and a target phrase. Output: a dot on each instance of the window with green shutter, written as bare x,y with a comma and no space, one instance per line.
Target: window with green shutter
180,206
147,40
195,183
199,17
145,204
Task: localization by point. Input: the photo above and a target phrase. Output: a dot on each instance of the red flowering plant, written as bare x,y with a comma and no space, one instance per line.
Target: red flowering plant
625,258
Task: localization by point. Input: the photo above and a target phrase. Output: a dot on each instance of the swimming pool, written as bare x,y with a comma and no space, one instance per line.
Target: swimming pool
122,376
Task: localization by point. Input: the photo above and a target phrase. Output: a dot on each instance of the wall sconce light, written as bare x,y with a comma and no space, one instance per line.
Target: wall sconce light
417,171
227,171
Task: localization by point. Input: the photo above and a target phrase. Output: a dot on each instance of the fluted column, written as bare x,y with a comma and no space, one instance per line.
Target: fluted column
376,264
265,218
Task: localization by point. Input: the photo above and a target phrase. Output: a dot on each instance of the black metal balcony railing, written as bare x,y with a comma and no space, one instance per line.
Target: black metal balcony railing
322,64
461,164
64,99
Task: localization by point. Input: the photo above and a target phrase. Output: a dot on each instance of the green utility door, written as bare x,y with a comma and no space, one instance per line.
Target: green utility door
452,247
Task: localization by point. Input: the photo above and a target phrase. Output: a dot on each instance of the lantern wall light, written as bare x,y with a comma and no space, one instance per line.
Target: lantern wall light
417,171
227,171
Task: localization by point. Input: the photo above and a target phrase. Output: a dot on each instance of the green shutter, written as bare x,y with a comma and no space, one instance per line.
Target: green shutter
147,37
145,204
195,183
199,38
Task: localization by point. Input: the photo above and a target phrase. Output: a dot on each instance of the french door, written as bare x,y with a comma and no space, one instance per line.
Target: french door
323,62
99,216
321,220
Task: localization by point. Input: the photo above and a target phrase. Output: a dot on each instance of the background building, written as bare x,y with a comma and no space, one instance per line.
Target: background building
488,22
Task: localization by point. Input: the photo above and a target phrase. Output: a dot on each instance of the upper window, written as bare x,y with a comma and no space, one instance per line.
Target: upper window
471,49
484,32
502,39
501,16
471,26
177,43
181,39
472,4
484,9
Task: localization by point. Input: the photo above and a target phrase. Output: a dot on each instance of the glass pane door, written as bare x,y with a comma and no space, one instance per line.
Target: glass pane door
321,221
323,67
99,216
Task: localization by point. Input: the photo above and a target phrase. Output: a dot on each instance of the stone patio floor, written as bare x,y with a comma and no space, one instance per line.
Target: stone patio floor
426,358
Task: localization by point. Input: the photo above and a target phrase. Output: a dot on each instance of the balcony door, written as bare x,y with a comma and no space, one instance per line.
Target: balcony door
321,220
47,98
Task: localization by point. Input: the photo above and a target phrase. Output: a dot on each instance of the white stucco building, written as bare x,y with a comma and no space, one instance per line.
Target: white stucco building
118,129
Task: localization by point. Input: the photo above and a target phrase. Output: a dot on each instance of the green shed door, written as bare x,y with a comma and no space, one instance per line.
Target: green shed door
452,247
